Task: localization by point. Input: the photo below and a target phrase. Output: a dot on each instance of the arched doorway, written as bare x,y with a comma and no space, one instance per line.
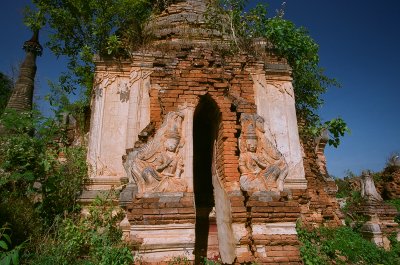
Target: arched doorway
205,128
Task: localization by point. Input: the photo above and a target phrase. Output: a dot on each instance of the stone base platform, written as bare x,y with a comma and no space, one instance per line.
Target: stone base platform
380,224
164,242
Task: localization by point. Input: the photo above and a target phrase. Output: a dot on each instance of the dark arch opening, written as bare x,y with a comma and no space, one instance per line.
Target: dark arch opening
205,128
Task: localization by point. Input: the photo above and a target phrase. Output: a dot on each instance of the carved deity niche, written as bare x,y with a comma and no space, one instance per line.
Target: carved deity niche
262,167
158,165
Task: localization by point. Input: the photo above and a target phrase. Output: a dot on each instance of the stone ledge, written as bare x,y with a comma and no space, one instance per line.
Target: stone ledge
284,228
161,242
298,184
88,196
104,182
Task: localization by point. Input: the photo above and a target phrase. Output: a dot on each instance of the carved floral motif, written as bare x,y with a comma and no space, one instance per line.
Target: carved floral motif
158,165
138,74
261,165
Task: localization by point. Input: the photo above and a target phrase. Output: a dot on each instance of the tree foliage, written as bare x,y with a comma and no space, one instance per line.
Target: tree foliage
336,127
81,28
5,91
288,41
91,239
35,185
343,246
8,255
41,178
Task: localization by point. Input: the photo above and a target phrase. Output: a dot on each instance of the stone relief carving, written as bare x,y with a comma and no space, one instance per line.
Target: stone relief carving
123,92
137,74
103,169
102,81
98,92
283,87
106,78
158,165
368,189
261,165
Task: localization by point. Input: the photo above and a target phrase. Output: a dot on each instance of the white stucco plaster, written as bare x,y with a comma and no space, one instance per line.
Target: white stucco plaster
276,104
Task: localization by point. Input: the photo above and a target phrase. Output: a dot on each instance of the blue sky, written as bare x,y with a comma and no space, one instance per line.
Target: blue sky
359,46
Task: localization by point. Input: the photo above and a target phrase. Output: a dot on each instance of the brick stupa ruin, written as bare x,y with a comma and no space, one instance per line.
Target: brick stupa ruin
206,146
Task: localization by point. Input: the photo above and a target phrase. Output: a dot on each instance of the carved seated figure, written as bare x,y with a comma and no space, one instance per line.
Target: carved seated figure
261,165
158,165
368,189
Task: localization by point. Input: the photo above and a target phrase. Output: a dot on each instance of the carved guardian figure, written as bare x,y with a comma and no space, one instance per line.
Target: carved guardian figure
158,165
261,165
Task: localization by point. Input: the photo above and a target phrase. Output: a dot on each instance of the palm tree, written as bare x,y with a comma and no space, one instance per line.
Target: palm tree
22,96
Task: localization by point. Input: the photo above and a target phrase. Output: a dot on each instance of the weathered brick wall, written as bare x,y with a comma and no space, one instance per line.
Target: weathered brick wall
389,186
187,65
322,207
275,208
182,77
385,212
155,210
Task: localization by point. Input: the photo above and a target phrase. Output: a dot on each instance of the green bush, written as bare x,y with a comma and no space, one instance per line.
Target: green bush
62,183
344,188
37,188
342,246
92,239
215,261
6,85
21,155
179,260
8,255
395,203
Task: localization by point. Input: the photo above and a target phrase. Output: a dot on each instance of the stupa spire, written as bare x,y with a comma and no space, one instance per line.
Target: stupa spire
22,96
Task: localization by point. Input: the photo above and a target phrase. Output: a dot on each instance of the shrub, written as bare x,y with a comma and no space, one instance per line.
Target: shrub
36,186
92,239
179,260
344,187
8,256
342,246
